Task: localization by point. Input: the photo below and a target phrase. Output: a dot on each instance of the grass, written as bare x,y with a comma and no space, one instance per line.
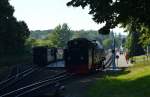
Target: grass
132,82
142,58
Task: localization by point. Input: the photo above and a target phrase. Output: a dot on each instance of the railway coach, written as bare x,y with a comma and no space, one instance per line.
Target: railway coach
82,56
42,55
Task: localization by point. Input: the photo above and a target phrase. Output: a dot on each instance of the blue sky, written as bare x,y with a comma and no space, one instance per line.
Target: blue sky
47,14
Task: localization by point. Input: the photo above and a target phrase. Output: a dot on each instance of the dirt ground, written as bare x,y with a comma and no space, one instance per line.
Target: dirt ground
79,85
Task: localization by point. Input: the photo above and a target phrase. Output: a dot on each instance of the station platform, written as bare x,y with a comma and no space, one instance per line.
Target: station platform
58,64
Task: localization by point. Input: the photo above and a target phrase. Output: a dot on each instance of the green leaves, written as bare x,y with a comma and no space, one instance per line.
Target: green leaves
114,12
60,36
105,30
145,37
13,33
107,43
133,44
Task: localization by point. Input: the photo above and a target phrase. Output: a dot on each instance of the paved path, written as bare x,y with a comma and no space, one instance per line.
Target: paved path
122,62
56,64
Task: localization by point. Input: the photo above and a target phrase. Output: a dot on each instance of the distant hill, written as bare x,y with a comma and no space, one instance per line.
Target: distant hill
40,34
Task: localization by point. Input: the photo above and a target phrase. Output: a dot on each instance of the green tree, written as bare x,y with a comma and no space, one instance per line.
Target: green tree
145,38
90,34
128,42
60,36
131,14
12,33
107,43
54,37
133,44
31,42
114,12
65,35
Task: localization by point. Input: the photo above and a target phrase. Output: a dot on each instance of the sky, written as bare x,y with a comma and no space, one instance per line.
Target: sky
47,14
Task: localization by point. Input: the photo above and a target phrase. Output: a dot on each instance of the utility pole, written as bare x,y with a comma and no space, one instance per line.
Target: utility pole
113,52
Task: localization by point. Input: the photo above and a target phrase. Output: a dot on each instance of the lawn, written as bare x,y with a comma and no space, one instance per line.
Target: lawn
141,58
132,82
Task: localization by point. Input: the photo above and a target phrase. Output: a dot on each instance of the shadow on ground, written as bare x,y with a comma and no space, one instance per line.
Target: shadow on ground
109,87
122,71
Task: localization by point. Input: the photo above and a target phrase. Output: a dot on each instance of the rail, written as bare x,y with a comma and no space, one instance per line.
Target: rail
32,87
8,82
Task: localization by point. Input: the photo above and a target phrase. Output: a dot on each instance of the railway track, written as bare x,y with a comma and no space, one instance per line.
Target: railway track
30,89
28,76
13,79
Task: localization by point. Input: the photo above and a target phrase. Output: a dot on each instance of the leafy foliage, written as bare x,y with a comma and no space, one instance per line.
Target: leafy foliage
107,43
108,39
40,34
90,34
12,33
133,44
60,36
145,38
52,38
113,12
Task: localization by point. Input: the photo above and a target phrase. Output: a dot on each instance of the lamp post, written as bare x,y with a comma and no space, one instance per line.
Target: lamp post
113,52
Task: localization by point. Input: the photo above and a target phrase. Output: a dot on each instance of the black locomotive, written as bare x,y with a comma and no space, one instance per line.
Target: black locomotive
82,56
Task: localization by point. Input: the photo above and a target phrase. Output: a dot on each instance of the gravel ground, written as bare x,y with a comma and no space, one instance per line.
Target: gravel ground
5,71
37,75
8,71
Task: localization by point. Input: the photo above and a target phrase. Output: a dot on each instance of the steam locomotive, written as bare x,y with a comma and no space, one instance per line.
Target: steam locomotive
82,56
